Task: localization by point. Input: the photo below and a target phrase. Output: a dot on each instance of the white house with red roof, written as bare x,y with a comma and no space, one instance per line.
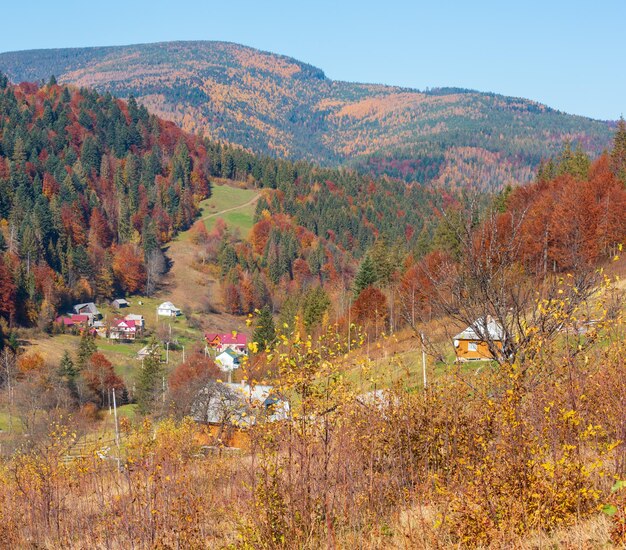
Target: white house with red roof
235,341
140,322
122,329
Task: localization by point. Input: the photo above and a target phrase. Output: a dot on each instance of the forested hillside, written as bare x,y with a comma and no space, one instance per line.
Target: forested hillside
272,104
90,187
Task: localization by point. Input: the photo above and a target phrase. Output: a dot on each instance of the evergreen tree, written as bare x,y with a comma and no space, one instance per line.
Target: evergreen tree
150,380
67,373
86,348
575,163
366,276
448,233
265,330
618,154
383,263
316,302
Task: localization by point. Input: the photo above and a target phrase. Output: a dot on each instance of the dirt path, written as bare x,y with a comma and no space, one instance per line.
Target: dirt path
251,201
186,286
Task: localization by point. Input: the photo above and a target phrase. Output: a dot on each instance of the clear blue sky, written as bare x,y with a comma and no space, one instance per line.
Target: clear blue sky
570,55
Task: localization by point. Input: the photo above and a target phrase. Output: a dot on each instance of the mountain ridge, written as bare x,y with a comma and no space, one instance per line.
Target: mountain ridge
277,105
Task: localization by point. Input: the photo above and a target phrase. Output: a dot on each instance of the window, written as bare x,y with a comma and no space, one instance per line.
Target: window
472,346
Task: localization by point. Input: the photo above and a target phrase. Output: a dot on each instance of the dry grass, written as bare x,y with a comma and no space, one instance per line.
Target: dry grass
415,528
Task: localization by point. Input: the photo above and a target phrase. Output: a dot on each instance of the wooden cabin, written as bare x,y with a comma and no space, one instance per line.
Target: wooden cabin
471,344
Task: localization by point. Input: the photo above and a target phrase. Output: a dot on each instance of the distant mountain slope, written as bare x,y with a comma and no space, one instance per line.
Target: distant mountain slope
274,104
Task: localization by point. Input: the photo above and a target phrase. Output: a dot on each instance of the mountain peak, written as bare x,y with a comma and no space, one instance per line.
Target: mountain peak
276,105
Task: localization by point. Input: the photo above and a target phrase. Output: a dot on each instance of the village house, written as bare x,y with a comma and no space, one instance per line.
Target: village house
139,320
88,309
73,321
168,309
121,329
228,360
240,405
471,344
119,303
236,342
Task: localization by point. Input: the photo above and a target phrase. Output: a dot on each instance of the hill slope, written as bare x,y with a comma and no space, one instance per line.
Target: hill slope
90,186
274,104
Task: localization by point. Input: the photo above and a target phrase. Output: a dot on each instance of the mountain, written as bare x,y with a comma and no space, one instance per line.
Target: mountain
276,105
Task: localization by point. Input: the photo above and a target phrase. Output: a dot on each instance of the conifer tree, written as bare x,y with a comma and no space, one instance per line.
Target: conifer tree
265,331
383,263
618,154
150,380
86,348
315,304
366,276
67,373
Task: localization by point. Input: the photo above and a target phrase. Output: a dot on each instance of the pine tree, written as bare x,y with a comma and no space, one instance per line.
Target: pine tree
366,276
383,264
86,348
316,302
618,154
67,373
576,163
265,330
150,380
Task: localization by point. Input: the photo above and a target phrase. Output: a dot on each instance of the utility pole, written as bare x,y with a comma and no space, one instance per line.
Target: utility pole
117,430
349,326
423,359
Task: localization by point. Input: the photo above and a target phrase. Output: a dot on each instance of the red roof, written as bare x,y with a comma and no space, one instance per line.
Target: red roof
80,318
65,320
227,338
118,322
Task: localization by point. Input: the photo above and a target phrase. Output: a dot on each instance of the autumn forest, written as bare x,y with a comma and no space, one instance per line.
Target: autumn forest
337,252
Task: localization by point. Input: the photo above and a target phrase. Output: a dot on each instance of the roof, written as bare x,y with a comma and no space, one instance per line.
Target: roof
230,353
167,305
239,403
124,323
80,318
227,338
90,306
134,317
120,301
67,321
492,329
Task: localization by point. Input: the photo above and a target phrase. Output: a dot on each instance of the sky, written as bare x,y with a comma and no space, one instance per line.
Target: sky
570,55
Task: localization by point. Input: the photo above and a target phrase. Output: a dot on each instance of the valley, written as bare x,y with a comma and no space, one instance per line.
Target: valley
243,305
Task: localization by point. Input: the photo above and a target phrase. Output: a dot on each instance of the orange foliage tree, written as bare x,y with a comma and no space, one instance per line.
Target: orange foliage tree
100,377
370,311
129,268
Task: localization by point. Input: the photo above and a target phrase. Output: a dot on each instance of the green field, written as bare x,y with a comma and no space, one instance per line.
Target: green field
225,197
